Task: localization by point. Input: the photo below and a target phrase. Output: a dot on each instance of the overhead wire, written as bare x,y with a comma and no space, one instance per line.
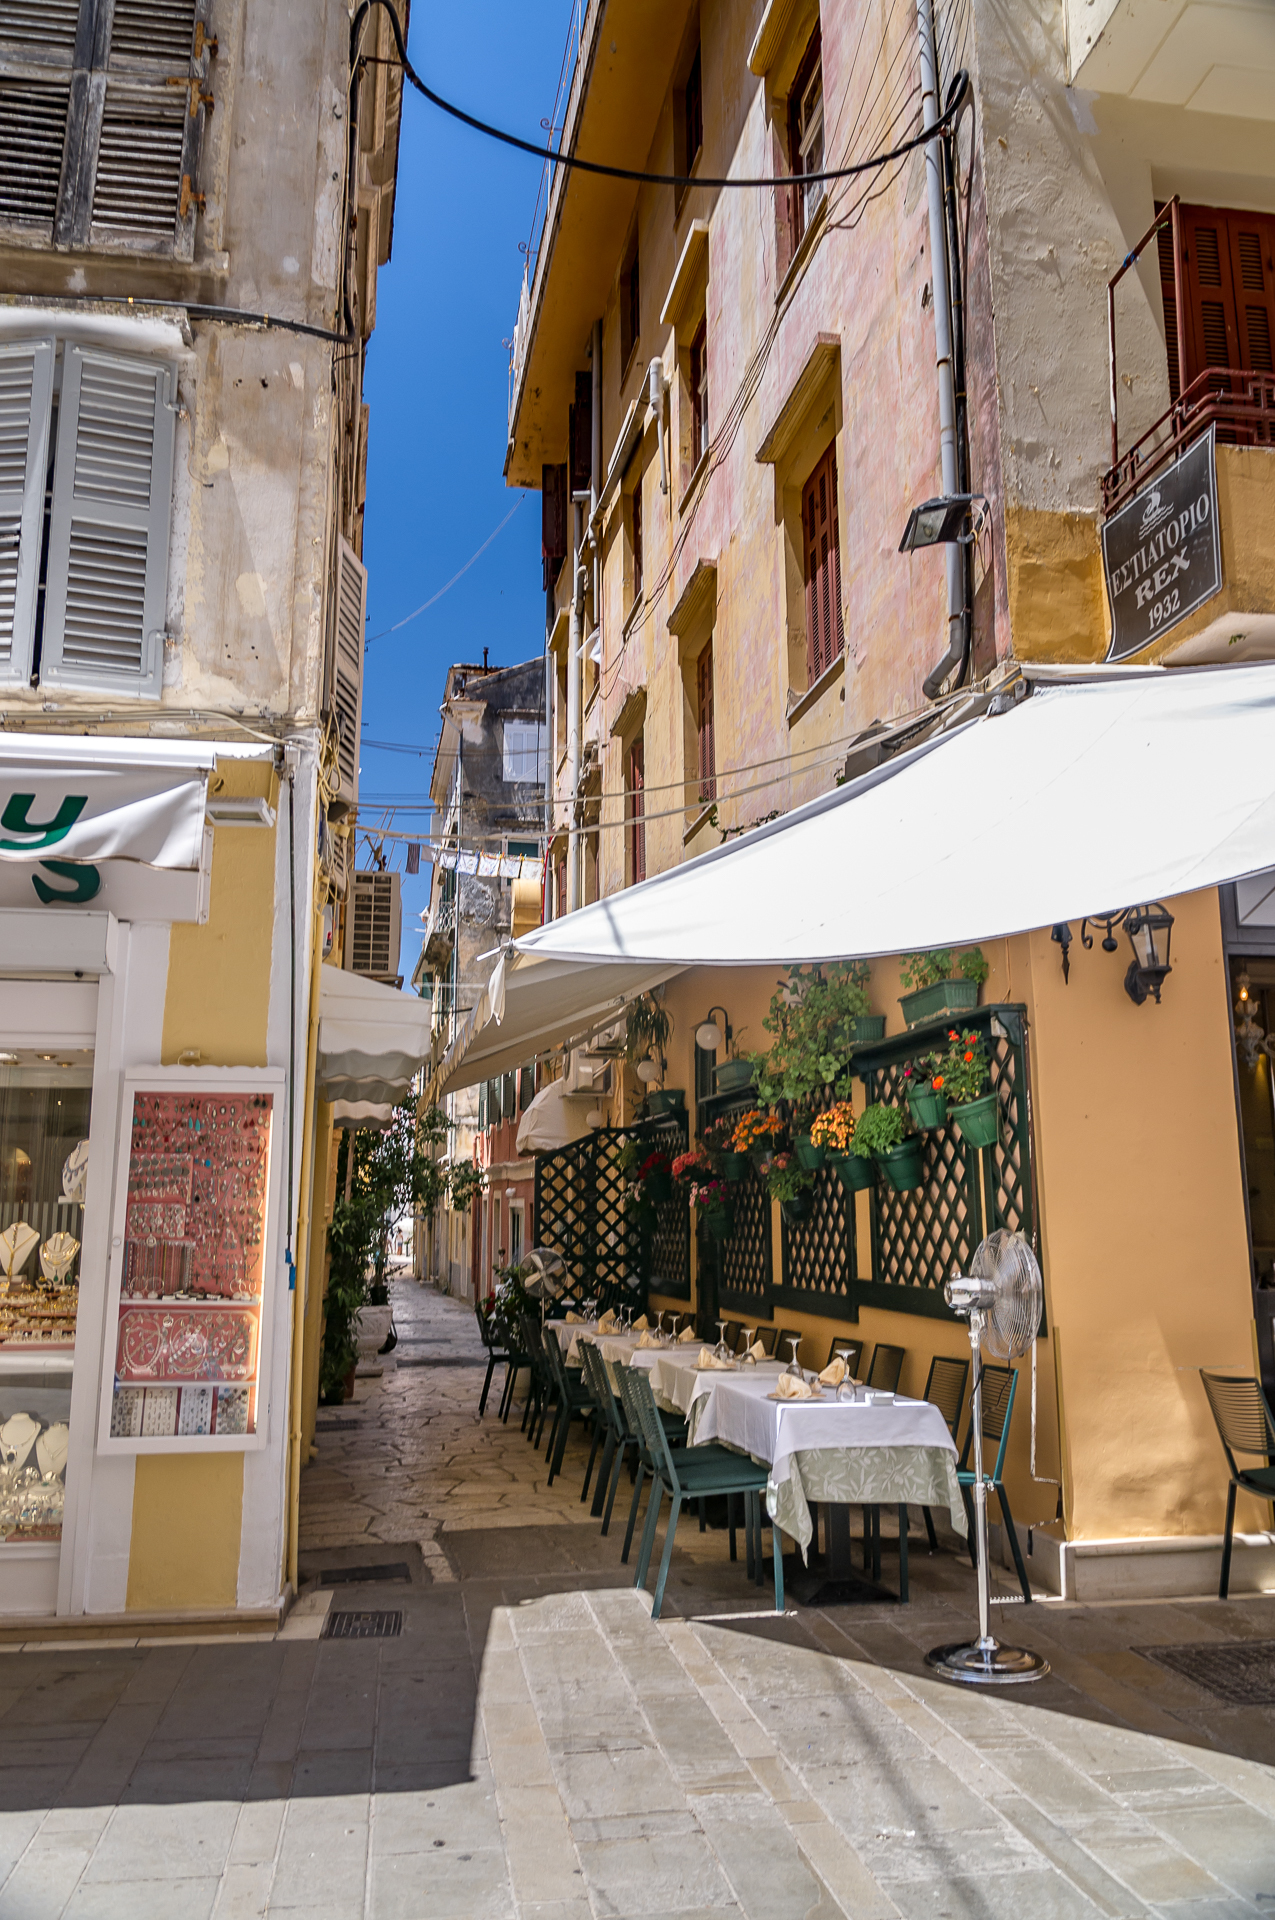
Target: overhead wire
436,597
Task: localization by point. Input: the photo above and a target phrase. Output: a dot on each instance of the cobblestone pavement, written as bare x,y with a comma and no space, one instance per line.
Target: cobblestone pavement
531,1745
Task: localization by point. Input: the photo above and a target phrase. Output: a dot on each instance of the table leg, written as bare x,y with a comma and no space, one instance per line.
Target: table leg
836,1527
876,1543
903,1552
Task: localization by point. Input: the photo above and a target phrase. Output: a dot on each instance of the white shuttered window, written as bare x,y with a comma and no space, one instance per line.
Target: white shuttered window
109,530
26,399
344,693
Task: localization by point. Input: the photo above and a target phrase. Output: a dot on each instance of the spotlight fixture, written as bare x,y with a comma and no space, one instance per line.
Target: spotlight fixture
941,522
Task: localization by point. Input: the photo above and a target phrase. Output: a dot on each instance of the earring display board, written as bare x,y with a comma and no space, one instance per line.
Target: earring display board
191,1253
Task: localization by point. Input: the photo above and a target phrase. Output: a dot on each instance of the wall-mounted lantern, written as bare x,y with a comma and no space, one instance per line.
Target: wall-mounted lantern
1150,931
710,1034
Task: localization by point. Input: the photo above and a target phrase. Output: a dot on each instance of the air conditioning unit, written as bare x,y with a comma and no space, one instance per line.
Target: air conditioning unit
374,927
584,1072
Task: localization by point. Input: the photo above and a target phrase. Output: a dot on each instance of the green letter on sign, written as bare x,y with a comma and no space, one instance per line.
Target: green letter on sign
16,819
85,880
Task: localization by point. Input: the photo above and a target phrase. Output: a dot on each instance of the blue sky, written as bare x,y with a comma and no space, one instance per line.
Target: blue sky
437,383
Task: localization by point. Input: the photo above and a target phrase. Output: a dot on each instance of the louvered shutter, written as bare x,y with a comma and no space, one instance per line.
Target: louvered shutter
1169,300
825,638
1211,337
707,730
37,61
109,532
26,397
1253,269
345,689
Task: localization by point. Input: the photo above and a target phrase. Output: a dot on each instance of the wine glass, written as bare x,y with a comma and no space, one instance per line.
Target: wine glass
846,1386
794,1341
721,1341
660,1327
750,1334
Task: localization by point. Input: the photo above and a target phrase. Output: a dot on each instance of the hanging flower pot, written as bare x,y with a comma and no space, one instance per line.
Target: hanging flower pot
733,1076
944,997
798,1208
734,1166
855,1171
808,1155
665,1100
762,1163
718,1223
929,1109
979,1120
902,1165
658,1186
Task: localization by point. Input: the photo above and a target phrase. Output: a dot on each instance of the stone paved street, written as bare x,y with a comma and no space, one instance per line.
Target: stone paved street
532,1746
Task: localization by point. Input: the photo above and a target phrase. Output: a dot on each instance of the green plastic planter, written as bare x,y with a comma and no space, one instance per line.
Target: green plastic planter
855,1171
734,1166
868,1028
929,1109
808,1154
718,1224
797,1208
658,1187
946,996
979,1120
902,1165
666,1100
733,1076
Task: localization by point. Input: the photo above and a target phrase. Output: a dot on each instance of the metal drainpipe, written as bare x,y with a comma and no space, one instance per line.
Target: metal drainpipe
942,302
573,718
551,718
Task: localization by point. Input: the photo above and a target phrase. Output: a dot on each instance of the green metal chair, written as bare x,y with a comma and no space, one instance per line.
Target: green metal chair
611,1422
945,1389
696,1473
999,1387
494,1335
887,1365
1244,1425
572,1398
540,1391
674,1426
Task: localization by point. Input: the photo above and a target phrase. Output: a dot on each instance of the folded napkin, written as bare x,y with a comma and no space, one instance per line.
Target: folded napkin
789,1387
607,1323
686,1335
834,1373
574,1319
648,1339
708,1362
756,1351
641,1324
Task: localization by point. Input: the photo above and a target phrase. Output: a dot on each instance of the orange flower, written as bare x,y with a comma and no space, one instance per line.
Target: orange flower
969,1056
937,1082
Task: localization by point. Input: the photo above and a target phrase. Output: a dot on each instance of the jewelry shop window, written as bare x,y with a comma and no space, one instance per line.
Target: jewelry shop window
45,1100
191,1260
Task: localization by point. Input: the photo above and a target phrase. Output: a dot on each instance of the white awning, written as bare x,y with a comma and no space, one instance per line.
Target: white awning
554,1119
84,797
535,1005
1101,790
372,1040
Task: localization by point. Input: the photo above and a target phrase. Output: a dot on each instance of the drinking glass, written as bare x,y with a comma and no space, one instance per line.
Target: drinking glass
794,1341
750,1334
721,1341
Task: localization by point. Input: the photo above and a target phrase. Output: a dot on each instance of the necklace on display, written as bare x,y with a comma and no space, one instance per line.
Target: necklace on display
16,1244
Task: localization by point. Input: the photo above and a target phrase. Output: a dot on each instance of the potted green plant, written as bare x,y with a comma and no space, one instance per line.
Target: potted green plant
790,1183
717,1141
757,1135
938,982
881,1132
736,1072
812,1023
647,1027
711,1201
926,1091
833,1130
966,1070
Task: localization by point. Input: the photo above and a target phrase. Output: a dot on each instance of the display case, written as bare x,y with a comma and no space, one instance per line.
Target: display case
191,1261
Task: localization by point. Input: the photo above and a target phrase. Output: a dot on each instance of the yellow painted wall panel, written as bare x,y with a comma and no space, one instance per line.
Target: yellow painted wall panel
187,1519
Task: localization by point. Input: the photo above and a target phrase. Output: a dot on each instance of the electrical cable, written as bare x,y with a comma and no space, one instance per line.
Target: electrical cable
426,605
634,174
195,310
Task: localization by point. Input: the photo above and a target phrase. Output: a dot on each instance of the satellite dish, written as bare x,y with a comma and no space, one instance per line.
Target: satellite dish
544,1274
1002,1299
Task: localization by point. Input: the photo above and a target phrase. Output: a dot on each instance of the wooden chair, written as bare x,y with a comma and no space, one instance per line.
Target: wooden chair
945,1389
853,1350
1244,1425
767,1337
887,1365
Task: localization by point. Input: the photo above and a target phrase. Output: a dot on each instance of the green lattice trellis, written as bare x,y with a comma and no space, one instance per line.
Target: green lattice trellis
918,1237
745,1286
818,1253
580,1212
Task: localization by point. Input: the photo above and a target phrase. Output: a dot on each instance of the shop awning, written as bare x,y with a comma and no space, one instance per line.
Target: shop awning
534,1005
372,1041
82,797
1098,791
554,1119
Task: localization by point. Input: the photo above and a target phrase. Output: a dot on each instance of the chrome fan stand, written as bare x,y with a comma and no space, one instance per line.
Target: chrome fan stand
982,1662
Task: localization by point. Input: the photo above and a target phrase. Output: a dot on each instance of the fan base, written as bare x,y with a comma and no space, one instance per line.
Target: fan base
989,1664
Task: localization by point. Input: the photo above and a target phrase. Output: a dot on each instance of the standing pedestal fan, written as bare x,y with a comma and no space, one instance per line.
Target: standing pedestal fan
1002,1298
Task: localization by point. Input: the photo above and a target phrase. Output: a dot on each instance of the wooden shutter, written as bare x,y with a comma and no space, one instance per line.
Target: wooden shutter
706,728
37,59
109,531
825,637
26,399
1252,238
1169,299
553,522
637,810
581,435
345,682
1212,339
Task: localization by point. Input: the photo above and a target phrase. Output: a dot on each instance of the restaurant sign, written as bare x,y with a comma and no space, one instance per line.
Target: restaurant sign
1162,553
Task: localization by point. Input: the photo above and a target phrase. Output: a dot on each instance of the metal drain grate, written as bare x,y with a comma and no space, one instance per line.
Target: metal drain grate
357,1576
362,1626
1240,1672
338,1426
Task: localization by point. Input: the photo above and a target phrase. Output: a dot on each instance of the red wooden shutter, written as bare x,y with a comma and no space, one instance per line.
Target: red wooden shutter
1211,336
637,810
553,522
637,539
1252,238
1168,296
825,637
707,742
580,434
